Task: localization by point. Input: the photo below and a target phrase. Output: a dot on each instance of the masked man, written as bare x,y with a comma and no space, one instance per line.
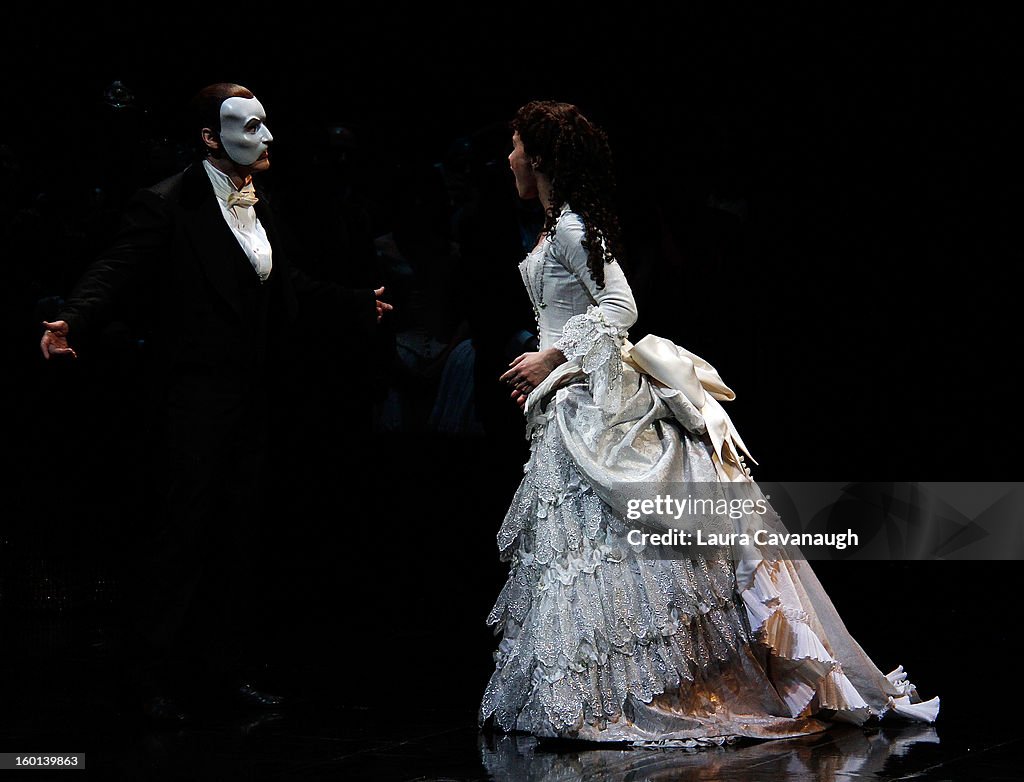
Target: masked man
201,264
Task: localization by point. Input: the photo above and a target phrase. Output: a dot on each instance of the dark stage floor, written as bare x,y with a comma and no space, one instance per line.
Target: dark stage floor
418,736
385,652
410,715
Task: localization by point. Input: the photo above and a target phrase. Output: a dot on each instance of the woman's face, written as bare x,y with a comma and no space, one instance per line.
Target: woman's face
526,176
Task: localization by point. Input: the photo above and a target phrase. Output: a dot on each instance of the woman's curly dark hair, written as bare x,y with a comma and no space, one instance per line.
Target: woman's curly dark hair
574,154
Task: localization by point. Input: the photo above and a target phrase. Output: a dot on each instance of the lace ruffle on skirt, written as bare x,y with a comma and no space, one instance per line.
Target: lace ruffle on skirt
600,642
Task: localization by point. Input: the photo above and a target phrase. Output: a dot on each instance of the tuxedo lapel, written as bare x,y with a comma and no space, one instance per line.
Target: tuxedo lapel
280,278
215,245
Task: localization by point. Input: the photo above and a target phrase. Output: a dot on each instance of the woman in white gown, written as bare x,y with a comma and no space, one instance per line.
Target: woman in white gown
601,642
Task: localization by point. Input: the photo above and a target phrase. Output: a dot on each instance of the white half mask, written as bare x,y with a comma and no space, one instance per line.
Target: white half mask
242,131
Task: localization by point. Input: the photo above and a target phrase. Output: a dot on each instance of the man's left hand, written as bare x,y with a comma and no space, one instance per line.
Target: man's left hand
382,306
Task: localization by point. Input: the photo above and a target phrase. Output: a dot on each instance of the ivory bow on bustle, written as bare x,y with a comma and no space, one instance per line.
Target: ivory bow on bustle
676,367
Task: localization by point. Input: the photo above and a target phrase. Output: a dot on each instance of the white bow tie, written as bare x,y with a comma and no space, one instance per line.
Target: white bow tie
245,197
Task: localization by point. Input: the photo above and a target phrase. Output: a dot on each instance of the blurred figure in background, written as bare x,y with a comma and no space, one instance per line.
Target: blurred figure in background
420,261
494,229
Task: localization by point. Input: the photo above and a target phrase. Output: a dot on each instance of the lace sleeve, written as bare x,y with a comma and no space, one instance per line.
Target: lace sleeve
595,343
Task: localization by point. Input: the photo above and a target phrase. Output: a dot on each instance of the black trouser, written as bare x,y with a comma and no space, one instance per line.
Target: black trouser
194,577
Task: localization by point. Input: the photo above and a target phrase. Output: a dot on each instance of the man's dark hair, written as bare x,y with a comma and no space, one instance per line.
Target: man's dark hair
204,111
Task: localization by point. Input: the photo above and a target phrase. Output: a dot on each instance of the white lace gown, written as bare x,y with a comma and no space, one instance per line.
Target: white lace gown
603,644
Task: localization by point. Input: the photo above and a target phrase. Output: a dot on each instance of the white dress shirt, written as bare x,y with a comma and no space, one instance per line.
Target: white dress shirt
243,223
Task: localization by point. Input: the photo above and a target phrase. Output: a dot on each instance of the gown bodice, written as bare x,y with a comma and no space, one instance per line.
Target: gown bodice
561,288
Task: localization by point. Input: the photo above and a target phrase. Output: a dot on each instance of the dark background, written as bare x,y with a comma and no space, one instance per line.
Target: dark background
860,306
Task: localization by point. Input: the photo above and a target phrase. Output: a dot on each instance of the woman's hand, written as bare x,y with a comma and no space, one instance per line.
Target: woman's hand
520,399
529,370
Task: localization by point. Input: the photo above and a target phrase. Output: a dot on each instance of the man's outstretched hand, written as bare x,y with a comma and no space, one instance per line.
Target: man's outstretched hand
55,339
382,306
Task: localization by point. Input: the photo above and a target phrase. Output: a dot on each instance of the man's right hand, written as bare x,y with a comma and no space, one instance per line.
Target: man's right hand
55,340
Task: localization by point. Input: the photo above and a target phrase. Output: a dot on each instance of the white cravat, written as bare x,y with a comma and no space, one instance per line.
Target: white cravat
243,222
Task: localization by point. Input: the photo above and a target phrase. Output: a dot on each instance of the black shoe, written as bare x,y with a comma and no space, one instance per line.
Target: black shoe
162,709
246,695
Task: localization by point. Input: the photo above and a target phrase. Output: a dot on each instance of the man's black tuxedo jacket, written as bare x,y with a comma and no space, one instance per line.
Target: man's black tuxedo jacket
210,324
